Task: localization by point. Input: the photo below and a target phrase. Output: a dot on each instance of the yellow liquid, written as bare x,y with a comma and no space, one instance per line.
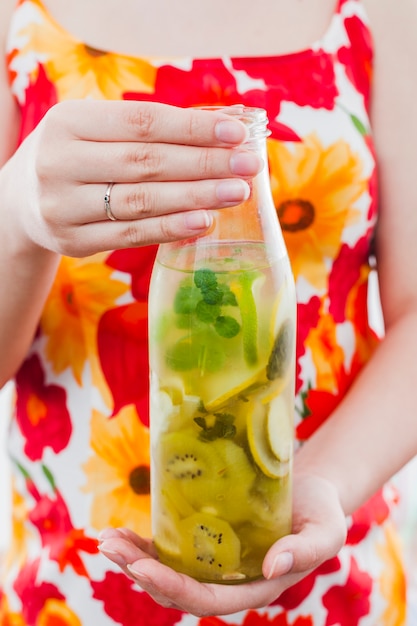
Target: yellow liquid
222,337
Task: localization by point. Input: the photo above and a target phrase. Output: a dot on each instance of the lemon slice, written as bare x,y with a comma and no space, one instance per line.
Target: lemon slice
222,389
279,429
267,461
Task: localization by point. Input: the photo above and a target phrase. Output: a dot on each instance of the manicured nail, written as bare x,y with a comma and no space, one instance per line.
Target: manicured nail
197,220
244,163
139,575
231,131
114,556
232,190
107,533
281,565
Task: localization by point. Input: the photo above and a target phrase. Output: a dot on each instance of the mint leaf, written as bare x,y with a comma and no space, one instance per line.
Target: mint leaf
229,297
205,278
186,299
207,312
226,326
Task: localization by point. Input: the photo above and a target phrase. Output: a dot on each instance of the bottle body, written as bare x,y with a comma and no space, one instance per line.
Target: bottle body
222,362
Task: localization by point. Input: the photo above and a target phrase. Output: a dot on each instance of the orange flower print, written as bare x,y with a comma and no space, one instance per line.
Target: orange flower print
392,581
78,70
82,291
314,189
20,535
327,355
57,613
8,617
118,473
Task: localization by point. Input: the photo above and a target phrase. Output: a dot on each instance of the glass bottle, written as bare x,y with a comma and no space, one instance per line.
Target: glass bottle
222,317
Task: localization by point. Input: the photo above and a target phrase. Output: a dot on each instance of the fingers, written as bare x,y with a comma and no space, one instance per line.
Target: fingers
172,589
80,241
131,162
319,527
145,200
145,122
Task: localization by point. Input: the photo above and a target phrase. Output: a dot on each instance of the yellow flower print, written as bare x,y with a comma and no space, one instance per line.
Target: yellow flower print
56,613
78,70
314,190
82,292
327,355
118,472
392,581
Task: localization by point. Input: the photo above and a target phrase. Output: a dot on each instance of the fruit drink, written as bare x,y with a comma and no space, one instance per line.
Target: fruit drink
222,343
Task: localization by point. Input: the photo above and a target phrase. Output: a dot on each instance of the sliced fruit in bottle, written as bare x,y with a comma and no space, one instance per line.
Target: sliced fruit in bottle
214,476
267,461
210,549
279,428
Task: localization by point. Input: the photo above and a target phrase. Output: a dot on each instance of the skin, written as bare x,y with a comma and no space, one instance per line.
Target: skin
56,211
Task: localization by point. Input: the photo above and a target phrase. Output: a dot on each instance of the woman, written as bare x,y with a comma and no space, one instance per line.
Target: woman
73,314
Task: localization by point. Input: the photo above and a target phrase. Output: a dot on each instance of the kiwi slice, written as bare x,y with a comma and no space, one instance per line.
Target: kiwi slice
213,476
210,549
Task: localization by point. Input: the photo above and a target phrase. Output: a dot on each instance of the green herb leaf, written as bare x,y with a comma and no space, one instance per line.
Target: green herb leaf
229,298
226,326
207,312
186,299
223,427
205,278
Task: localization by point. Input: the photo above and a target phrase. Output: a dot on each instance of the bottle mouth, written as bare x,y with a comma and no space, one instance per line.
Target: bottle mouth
254,118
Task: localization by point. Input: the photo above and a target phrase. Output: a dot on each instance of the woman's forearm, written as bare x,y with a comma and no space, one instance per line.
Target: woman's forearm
374,431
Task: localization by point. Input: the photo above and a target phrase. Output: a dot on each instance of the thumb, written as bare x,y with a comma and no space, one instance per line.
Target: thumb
303,552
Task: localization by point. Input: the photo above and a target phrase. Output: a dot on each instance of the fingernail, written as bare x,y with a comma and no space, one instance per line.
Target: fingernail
244,163
139,575
115,556
107,533
232,190
231,131
281,565
197,220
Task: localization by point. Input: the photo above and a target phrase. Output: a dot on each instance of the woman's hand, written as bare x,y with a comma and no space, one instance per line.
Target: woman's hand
170,167
319,531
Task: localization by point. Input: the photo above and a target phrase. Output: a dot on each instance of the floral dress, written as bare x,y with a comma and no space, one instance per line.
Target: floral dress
79,438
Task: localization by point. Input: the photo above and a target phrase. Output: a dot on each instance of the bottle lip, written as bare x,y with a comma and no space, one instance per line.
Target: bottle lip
254,118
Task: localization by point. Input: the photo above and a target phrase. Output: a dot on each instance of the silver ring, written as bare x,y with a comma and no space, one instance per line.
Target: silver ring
107,206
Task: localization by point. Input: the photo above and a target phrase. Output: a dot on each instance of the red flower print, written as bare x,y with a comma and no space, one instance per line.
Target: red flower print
40,96
52,520
253,618
346,272
208,83
51,517
317,89
139,263
320,404
122,340
292,597
128,606
375,511
358,57
348,603
33,593
41,411
307,318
